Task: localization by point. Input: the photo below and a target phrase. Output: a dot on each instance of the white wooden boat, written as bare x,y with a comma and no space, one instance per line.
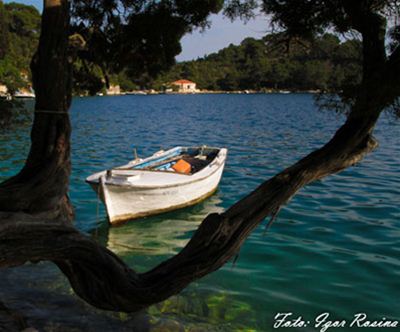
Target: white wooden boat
145,187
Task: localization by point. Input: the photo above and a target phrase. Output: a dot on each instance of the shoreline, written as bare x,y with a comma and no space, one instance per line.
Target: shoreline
203,92
199,92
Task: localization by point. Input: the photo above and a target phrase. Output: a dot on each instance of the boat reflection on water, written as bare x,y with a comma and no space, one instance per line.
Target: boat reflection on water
164,234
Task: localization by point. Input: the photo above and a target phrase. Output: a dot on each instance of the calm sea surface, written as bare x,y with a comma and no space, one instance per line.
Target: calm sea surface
335,248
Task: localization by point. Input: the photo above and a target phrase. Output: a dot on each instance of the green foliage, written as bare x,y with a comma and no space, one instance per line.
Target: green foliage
88,78
125,82
140,38
325,63
308,19
240,8
10,75
4,33
19,35
23,20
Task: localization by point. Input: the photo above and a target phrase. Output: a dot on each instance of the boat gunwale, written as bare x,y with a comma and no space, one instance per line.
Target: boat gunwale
131,185
164,153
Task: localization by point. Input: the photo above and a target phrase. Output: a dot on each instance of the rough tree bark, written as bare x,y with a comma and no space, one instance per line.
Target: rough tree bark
42,185
103,280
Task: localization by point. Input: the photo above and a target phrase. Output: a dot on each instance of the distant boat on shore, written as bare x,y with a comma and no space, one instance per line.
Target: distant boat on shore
24,94
138,92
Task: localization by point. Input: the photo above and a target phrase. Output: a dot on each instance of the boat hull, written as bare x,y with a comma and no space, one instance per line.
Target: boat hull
125,203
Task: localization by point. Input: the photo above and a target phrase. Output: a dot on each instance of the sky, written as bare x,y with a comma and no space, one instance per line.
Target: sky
221,33
197,44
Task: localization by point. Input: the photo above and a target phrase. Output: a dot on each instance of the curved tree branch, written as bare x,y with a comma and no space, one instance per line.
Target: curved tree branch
103,280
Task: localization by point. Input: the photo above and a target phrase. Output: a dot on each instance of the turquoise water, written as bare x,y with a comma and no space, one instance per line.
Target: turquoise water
335,248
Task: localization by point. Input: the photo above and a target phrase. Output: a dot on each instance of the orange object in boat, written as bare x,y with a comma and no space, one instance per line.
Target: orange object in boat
182,167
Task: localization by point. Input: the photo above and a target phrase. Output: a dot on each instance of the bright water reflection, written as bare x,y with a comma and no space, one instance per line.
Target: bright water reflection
164,234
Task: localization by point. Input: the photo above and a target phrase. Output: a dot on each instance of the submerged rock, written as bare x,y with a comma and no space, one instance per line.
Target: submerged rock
167,325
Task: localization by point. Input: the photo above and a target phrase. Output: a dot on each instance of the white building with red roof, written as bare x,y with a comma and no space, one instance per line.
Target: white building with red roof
185,86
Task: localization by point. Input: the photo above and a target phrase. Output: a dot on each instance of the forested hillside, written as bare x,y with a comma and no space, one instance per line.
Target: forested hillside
19,34
275,63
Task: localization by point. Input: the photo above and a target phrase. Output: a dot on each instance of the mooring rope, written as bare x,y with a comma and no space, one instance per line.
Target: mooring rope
50,112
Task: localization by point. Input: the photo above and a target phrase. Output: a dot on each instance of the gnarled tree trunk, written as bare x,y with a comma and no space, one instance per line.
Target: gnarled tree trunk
42,185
